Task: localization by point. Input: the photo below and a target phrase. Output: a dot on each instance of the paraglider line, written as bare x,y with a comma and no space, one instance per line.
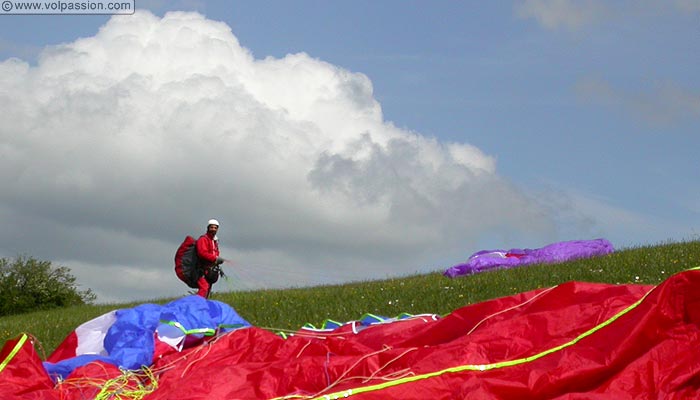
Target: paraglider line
250,276
510,308
14,351
369,378
130,384
303,348
196,360
343,378
313,335
325,370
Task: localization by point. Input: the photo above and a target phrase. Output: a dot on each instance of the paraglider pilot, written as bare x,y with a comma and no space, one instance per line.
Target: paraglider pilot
209,260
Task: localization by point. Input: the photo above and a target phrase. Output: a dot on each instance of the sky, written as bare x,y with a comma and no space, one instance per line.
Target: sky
343,141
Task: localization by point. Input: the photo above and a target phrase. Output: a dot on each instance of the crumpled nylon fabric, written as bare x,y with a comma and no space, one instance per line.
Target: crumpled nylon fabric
486,260
577,340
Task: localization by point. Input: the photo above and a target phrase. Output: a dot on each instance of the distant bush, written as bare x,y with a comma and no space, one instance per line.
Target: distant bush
27,284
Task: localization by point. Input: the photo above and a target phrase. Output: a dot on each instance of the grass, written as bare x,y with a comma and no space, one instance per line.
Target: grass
433,293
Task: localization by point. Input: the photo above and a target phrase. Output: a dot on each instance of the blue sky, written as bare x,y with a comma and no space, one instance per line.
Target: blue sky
559,120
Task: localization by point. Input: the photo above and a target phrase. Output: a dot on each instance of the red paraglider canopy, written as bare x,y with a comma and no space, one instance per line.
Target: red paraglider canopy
575,340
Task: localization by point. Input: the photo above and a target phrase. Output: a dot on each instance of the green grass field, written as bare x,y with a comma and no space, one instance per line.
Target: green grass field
289,309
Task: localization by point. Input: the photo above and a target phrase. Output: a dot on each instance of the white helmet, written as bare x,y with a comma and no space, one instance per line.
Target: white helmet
213,222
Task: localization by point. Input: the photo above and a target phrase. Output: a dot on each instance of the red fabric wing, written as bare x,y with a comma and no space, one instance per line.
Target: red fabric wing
574,341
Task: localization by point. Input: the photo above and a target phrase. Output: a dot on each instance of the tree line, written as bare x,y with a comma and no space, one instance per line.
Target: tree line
28,284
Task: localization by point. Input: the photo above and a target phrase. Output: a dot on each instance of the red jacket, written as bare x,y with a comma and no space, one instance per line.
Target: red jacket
207,249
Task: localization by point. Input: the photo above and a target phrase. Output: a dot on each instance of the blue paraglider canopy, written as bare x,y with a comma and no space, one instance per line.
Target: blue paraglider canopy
127,338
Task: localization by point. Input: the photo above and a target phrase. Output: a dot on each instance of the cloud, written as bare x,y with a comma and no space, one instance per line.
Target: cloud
563,14
159,6
590,215
689,6
21,50
664,104
572,15
114,147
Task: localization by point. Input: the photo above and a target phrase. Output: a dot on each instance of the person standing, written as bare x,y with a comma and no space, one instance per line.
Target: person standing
209,260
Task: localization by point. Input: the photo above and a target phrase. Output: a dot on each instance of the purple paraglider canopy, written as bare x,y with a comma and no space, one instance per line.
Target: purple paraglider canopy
556,252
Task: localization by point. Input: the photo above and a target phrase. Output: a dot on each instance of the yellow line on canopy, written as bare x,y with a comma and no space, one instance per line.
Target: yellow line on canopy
478,367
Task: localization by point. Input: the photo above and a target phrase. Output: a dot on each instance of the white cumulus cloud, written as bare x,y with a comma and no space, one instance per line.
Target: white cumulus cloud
566,14
114,147
665,103
575,15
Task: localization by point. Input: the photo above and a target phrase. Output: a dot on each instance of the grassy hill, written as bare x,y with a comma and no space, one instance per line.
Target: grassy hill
289,309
